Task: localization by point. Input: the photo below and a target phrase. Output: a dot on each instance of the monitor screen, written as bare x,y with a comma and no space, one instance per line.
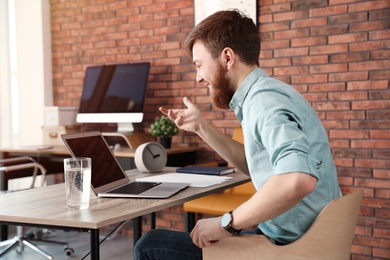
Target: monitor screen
114,94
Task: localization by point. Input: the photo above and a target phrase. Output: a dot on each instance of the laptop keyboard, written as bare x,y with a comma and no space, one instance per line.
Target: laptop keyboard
135,188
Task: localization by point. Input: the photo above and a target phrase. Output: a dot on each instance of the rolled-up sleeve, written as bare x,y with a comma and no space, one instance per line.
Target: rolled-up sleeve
280,128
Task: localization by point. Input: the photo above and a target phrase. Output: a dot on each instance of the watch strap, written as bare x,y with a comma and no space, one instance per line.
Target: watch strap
229,227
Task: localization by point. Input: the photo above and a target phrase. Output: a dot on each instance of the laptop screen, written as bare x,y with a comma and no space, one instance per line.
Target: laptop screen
105,168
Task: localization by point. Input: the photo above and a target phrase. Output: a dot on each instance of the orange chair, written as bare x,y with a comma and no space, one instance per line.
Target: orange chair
330,237
219,203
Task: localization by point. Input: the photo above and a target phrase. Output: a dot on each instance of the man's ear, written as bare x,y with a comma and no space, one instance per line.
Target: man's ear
228,57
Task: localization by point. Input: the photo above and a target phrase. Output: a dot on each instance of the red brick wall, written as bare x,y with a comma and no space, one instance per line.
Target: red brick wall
335,52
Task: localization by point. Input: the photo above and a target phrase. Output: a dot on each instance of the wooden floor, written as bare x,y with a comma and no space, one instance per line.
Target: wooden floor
117,248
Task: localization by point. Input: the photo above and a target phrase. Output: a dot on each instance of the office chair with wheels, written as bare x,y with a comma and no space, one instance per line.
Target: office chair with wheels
19,241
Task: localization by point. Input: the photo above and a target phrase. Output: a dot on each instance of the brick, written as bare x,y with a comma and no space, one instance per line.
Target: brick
372,104
328,49
348,76
274,8
368,85
371,163
348,57
381,74
349,134
328,11
288,34
343,162
379,14
369,65
371,25
345,181
308,79
328,68
308,23
275,62
267,18
312,59
327,87
350,37
340,105
379,55
311,97
275,44
379,35
380,134
381,252
348,18
345,115
361,250
288,16
366,6
310,41
335,124
355,95
329,30
381,174
298,5
291,70
351,171
274,26
384,194
370,124
290,52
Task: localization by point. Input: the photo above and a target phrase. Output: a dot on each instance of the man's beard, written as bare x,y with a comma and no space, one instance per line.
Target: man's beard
221,92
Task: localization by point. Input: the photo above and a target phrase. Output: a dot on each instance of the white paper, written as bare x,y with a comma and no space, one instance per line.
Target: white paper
195,180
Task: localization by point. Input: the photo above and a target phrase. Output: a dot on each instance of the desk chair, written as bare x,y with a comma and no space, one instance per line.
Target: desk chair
16,164
219,203
330,237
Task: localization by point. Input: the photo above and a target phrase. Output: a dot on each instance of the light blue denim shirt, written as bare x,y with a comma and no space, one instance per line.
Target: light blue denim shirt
282,134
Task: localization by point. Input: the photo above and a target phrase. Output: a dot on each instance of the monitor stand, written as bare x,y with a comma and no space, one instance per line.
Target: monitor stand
132,139
125,128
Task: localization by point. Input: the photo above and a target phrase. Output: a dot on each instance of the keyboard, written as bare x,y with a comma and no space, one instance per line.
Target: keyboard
135,188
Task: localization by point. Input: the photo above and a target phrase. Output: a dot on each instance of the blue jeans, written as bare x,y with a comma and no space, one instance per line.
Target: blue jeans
166,244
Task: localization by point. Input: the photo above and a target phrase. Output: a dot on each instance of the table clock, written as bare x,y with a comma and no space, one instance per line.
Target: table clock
150,157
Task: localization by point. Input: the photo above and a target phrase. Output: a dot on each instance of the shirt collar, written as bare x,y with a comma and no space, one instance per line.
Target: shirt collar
239,96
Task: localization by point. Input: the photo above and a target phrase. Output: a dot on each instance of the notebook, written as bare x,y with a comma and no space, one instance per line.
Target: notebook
208,170
108,178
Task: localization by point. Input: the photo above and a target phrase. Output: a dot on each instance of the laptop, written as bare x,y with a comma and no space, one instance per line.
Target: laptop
108,178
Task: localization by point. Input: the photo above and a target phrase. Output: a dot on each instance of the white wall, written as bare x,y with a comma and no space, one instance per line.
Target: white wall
5,105
34,72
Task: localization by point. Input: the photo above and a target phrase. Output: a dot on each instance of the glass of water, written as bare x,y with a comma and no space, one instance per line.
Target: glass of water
77,182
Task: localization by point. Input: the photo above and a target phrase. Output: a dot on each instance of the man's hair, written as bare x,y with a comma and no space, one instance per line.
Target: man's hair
231,29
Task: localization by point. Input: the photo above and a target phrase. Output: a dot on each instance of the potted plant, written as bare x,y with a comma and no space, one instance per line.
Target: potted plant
164,128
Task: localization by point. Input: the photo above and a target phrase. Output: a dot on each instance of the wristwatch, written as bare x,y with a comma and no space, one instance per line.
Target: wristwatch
226,223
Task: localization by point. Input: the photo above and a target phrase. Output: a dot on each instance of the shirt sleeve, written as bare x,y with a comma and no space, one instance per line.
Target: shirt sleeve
279,125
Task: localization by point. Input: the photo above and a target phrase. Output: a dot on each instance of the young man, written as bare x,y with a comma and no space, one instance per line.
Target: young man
286,151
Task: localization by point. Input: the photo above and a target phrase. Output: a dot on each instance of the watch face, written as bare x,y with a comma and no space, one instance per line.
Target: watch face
154,157
226,219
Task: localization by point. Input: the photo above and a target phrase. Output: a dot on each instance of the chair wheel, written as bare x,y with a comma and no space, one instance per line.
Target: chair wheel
68,251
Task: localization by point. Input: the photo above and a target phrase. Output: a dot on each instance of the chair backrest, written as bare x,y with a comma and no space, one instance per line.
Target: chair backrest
21,163
330,237
332,233
247,188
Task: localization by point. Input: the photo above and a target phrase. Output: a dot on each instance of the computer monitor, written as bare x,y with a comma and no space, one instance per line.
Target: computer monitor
114,94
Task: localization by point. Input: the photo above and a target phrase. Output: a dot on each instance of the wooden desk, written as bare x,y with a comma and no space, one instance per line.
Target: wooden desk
46,207
52,159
